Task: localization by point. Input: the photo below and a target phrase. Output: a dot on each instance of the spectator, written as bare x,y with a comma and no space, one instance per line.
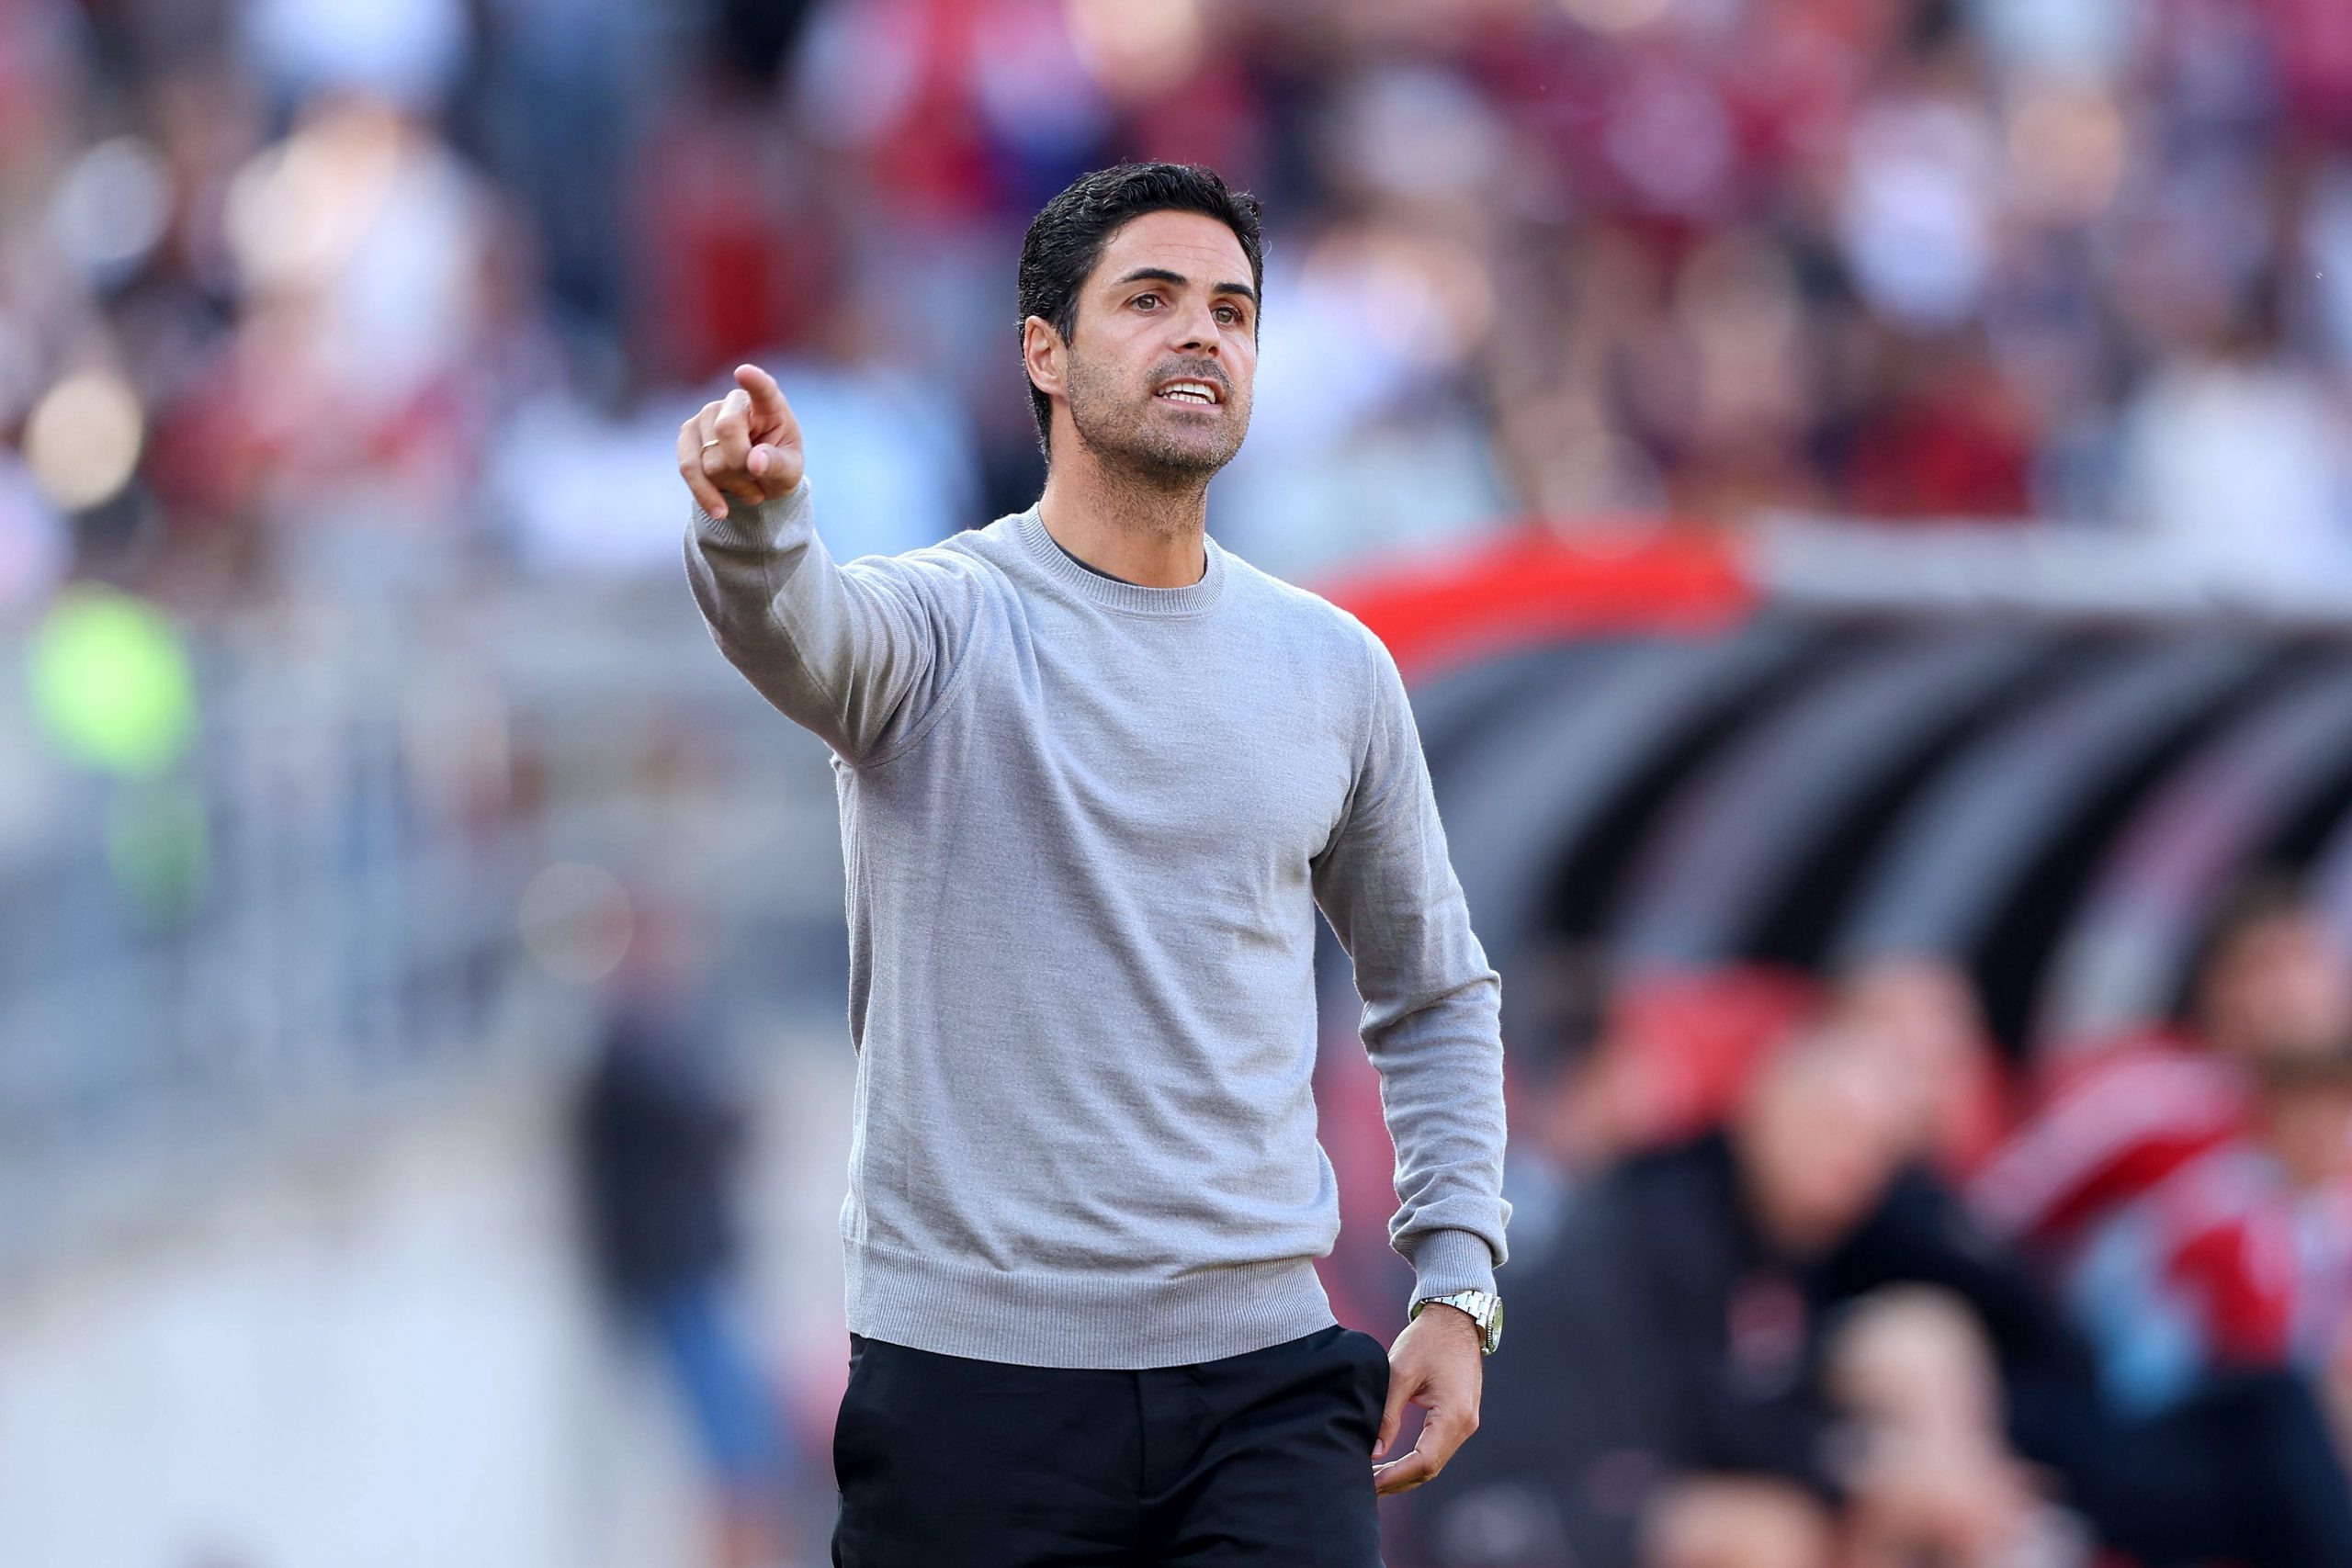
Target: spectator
1924,1010
2303,1122
2234,427
2143,1180
658,1142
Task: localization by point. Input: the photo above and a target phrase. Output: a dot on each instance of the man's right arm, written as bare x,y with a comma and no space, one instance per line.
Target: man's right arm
849,652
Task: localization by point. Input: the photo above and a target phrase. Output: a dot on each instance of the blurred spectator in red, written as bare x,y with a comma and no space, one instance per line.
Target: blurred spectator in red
2303,1112
1940,438
368,355
733,248
2144,1178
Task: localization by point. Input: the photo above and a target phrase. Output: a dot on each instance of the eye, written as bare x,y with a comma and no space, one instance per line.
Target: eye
1229,314
1146,301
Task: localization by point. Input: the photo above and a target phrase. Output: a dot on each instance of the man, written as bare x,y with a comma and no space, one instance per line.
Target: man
2143,1179
1095,777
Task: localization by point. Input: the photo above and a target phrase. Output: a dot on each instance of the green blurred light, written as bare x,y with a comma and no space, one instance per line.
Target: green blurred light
110,681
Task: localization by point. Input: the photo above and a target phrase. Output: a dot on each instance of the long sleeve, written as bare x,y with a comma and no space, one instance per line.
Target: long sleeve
1431,1004
857,653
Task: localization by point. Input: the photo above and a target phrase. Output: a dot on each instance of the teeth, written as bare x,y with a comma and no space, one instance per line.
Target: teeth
1189,392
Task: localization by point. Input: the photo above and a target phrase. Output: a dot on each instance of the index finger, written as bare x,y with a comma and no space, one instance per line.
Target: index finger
768,407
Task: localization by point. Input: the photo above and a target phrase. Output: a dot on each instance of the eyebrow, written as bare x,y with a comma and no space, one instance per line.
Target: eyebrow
1161,275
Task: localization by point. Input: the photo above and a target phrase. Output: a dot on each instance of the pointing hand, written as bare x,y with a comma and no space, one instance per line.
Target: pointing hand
745,447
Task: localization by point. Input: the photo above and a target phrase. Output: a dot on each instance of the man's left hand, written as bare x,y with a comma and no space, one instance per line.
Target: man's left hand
1437,1363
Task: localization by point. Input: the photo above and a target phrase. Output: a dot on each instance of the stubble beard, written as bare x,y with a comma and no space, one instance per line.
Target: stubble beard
1138,450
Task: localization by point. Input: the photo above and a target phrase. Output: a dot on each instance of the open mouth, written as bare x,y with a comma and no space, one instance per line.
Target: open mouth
1198,392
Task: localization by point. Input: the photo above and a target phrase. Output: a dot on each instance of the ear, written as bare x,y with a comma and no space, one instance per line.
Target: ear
1042,351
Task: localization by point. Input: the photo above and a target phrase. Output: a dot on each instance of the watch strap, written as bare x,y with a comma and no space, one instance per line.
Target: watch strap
1482,1307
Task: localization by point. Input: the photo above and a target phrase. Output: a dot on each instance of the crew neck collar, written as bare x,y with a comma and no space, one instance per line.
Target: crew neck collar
1087,583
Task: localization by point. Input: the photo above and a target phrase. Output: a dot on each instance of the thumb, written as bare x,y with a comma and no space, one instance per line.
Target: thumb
777,468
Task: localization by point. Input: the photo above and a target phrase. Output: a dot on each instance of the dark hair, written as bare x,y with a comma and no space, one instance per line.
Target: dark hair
1067,237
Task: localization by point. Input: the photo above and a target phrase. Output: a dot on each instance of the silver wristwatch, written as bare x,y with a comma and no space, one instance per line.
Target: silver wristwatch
1484,1307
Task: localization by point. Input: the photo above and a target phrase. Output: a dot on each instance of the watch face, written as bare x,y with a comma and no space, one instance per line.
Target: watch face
1494,1324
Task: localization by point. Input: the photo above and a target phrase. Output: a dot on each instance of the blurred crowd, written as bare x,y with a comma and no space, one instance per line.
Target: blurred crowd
355,298
1809,1274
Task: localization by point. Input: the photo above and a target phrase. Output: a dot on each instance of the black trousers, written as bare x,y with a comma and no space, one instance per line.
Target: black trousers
1258,1459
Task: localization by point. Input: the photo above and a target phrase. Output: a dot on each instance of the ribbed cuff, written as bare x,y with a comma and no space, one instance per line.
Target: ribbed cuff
1449,1260
754,528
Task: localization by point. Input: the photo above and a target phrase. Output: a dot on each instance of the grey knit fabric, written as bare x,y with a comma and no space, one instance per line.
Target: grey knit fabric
1087,825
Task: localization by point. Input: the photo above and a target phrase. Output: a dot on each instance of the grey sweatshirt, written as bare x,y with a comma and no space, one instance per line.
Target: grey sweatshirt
1086,826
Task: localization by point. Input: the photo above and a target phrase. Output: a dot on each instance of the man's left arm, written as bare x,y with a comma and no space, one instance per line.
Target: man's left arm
1432,1026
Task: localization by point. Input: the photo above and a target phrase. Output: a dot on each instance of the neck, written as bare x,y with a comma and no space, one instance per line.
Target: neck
1130,525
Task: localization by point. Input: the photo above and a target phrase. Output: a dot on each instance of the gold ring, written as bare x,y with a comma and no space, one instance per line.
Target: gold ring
708,445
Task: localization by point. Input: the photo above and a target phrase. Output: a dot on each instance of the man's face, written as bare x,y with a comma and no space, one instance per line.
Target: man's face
1923,1013
1159,367
2279,989
1821,1135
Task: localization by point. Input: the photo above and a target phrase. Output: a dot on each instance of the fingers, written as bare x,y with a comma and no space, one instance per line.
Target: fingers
1441,1435
726,448
769,412
690,466
731,479
1402,1476
776,458
732,429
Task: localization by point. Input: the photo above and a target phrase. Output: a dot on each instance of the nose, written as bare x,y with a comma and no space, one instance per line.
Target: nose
1194,328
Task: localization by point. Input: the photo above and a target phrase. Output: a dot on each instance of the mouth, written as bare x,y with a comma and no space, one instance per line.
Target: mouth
1197,393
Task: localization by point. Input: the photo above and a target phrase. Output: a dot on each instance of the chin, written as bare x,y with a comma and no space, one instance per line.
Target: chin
1156,450
1194,465
1177,448
1208,450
